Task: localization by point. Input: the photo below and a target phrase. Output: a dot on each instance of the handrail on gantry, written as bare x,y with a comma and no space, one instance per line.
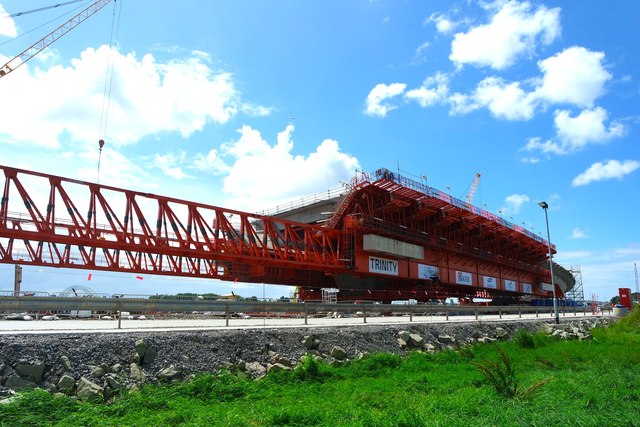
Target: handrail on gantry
433,192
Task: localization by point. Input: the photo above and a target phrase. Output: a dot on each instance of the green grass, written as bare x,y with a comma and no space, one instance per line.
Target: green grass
553,383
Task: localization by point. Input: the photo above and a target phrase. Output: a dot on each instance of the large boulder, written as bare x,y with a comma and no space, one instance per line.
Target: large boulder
136,373
416,340
501,332
169,374
66,363
31,369
149,355
113,382
446,339
278,358
404,336
66,384
407,340
255,369
89,391
15,382
277,367
338,353
97,371
141,347
310,343
402,343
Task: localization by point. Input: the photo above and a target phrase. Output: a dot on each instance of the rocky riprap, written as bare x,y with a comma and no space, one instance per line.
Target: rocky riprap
96,366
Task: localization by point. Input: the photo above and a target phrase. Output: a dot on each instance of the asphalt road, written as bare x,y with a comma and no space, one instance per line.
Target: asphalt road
12,327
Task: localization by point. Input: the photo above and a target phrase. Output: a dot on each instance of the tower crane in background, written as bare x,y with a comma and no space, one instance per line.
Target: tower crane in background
472,191
44,42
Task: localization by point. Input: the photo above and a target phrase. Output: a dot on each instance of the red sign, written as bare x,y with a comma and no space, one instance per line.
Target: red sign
625,297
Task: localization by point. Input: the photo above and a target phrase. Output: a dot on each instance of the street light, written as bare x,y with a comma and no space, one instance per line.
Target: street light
545,206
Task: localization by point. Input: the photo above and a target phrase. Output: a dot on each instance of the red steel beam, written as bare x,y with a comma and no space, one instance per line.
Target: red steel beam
165,236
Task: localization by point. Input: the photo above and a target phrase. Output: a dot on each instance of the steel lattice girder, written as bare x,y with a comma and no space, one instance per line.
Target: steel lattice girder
179,238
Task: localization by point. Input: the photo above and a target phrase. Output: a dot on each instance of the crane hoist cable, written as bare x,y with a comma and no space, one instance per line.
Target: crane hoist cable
108,81
108,78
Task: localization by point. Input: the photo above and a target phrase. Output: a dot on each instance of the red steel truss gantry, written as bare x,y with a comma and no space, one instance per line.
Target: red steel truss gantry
130,231
48,220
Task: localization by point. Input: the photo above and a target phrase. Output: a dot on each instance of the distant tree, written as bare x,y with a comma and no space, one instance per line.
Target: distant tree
635,296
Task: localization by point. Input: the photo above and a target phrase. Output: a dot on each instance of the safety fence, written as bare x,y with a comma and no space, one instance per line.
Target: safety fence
117,308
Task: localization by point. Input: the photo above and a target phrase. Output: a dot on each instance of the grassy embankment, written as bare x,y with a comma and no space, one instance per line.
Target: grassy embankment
531,381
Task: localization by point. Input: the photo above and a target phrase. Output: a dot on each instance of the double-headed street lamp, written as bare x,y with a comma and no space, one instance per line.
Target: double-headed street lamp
545,206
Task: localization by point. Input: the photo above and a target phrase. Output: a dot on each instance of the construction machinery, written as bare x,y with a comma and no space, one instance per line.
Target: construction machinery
387,238
472,190
54,35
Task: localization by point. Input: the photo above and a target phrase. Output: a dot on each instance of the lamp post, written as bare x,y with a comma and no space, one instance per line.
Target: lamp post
545,206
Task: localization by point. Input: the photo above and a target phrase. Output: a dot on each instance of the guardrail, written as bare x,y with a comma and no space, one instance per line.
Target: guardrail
39,304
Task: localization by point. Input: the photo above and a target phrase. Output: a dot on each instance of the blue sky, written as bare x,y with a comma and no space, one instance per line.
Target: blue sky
248,104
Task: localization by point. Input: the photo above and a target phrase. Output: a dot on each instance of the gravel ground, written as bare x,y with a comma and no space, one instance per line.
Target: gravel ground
190,352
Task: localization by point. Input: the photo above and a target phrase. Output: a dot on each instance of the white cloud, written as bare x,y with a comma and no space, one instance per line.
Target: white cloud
508,101
578,234
632,251
443,24
548,146
462,103
433,90
568,257
117,169
255,110
170,164
259,175
210,162
375,102
610,169
587,127
514,203
7,25
575,76
575,133
514,30
532,160
147,98
419,55
554,197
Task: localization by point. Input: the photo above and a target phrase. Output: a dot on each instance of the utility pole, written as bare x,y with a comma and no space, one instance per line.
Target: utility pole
17,279
635,270
544,207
